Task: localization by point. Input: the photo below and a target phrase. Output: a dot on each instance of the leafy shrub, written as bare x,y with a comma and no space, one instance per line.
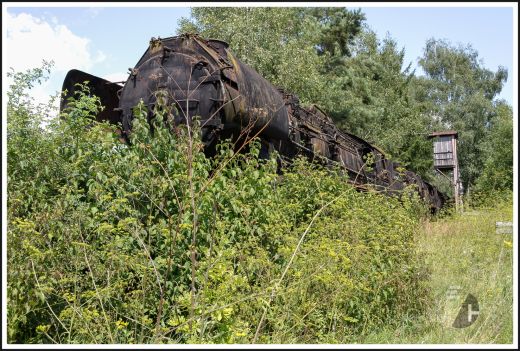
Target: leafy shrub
152,242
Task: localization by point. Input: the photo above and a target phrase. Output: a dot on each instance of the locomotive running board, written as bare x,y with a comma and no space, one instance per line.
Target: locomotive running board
104,89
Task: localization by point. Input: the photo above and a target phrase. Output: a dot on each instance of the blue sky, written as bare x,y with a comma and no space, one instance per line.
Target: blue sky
107,41
488,30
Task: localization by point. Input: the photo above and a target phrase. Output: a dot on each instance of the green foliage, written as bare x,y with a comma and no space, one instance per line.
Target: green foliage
279,43
497,152
152,242
338,28
466,256
373,100
457,93
328,56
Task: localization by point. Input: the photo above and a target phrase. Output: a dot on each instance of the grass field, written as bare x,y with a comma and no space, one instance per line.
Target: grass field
465,256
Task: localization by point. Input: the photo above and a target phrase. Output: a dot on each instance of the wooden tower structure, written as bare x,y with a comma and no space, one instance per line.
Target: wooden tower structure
445,160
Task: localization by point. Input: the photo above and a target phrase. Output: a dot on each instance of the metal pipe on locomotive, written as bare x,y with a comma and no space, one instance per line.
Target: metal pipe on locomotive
203,78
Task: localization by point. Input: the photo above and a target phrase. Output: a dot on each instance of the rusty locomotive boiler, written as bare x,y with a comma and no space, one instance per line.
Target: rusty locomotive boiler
203,78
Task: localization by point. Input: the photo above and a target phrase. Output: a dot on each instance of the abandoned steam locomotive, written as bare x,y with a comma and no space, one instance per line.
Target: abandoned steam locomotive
203,78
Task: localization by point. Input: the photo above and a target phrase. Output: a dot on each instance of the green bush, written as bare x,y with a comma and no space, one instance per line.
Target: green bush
152,242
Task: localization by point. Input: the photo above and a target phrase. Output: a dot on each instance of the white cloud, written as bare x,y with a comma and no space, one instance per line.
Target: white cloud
30,40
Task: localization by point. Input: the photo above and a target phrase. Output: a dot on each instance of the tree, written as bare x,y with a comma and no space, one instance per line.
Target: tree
497,153
279,43
373,98
326,57
338,29
457,93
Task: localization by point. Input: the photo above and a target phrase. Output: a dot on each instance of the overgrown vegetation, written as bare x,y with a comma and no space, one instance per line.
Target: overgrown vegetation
151,242
466,256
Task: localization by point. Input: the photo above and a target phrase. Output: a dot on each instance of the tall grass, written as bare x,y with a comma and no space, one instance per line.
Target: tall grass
465,255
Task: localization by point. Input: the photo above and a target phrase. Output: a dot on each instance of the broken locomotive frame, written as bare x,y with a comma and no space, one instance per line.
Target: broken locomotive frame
203,78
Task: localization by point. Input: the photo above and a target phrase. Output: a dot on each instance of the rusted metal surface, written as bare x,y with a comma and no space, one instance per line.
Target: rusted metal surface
105,90
202,78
